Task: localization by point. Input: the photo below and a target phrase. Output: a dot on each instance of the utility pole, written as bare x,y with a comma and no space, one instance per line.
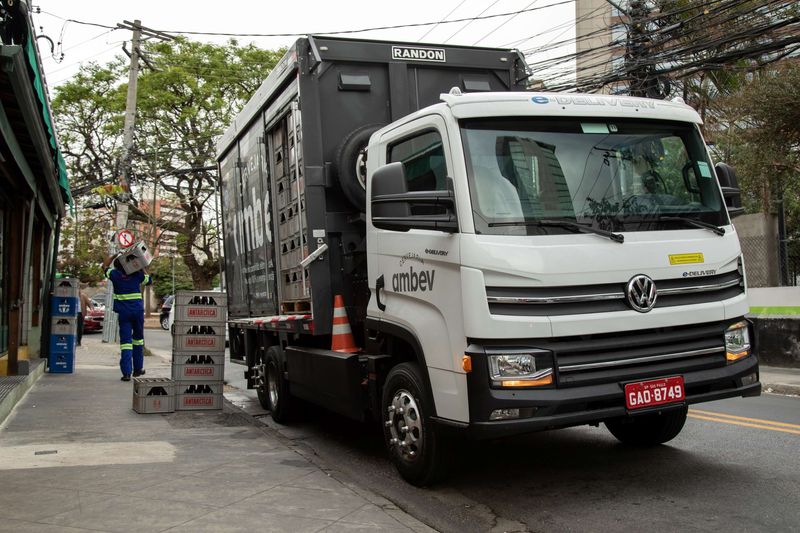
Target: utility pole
635,54
110,321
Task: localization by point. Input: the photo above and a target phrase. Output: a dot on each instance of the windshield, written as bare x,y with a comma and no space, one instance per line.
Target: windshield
610,174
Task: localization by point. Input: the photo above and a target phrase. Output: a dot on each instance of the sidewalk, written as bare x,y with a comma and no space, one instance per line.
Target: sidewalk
75,457
780,380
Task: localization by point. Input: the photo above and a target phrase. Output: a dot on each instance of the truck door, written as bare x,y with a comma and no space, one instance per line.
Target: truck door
417,272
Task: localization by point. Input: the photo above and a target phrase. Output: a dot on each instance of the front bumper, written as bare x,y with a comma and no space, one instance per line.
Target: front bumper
591,397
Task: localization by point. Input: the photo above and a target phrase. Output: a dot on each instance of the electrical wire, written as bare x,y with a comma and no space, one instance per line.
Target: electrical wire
443,19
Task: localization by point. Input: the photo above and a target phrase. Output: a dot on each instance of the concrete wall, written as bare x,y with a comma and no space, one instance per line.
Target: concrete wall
774,296
777,341
758,235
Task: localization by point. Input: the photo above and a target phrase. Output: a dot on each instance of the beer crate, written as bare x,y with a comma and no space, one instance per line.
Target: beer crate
153,404
62,344
198,367
198,395
67,287
153,395
199,298
64,306
63,325
135,258
61,363
199,338
153,386
204,309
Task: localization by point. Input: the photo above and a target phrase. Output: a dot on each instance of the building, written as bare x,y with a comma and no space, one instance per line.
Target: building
600,38
34,191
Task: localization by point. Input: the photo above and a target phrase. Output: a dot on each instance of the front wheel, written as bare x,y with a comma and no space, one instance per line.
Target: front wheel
414,443
277,386
648,430
165,323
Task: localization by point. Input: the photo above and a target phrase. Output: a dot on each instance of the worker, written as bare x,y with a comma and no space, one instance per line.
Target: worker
129,306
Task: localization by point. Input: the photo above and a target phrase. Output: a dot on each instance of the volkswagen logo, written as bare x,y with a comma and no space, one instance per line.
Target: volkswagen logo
641,293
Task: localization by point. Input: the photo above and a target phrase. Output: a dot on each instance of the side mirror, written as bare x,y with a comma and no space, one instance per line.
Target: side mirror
395,208
726,176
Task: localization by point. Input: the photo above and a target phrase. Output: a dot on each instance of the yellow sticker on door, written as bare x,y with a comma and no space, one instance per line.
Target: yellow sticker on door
686,259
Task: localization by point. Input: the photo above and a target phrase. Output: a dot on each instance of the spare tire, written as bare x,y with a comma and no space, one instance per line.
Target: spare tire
351,164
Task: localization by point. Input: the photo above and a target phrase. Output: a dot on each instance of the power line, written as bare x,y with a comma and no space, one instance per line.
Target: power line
443,19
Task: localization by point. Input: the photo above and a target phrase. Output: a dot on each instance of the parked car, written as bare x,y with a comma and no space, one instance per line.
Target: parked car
99,300
95,314
165,309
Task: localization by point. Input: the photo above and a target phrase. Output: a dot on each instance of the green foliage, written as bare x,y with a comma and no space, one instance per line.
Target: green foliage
188,93
161,271
763,141
83,245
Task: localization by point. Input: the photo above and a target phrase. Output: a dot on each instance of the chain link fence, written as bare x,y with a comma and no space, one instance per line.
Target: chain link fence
770,262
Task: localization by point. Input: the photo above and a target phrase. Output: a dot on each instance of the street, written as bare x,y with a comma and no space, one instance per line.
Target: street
734,467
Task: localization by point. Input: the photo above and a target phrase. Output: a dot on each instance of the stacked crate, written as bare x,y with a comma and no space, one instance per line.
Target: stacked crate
198,349
295,284
64,307
153,395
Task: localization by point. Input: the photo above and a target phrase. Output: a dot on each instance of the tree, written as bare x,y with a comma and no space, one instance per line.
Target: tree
84,245
162,271
763,141
187,96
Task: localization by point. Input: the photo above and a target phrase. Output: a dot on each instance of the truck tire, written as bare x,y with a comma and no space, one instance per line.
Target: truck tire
415,445
351,166
277,386
260,369
648,430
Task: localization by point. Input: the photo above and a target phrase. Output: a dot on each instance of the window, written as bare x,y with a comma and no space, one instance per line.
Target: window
613,174
423,161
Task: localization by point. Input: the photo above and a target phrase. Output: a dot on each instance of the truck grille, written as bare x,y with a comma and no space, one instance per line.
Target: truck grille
609,297
614,357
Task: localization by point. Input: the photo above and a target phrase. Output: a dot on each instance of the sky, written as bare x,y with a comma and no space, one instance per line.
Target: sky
528,31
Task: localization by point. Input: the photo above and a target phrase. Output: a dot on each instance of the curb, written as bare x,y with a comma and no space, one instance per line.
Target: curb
308,454
781,388
20,390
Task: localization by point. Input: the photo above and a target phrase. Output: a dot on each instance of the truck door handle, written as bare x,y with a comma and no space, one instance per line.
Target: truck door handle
379,284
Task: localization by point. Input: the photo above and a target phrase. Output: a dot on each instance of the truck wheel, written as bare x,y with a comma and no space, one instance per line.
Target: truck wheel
415,445
648,430
351,165
277,386
261,381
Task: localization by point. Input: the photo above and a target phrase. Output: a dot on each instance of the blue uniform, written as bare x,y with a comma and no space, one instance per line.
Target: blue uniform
128,304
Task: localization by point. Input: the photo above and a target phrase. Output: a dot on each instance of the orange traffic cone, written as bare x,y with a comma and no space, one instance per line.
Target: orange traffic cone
342,338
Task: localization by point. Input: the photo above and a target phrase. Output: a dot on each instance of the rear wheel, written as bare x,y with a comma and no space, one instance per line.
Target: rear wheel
648,430
415,445
260,370
165,323
277,387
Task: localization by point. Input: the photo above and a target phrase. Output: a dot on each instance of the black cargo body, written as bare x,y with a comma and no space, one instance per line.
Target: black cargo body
282,182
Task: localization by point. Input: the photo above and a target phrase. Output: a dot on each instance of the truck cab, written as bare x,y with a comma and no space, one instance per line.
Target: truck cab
544,261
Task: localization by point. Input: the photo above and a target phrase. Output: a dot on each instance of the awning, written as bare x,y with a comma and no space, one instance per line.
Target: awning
38,85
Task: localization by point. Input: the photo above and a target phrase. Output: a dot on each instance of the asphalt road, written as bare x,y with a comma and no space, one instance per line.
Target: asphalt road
734,467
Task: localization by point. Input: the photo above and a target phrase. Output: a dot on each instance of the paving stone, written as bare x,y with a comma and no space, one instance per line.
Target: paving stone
322,504
233,520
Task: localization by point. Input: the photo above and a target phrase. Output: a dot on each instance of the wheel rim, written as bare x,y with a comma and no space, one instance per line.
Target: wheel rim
272,386
405,425
361,170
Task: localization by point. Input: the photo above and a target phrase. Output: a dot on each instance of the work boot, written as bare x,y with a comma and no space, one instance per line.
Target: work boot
137,373
126,377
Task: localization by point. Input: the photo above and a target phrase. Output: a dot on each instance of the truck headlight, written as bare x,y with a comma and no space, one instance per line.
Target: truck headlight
520,370
737,341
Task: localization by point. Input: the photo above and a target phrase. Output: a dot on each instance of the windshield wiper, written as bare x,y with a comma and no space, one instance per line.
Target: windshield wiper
696,223
574,226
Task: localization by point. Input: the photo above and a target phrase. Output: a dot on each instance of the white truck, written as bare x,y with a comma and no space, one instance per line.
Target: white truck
520,262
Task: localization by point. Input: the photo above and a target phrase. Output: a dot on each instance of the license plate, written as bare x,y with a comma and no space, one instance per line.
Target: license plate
654,392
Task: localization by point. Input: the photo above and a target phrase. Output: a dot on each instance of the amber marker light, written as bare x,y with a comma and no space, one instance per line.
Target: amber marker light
547,380
466,363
